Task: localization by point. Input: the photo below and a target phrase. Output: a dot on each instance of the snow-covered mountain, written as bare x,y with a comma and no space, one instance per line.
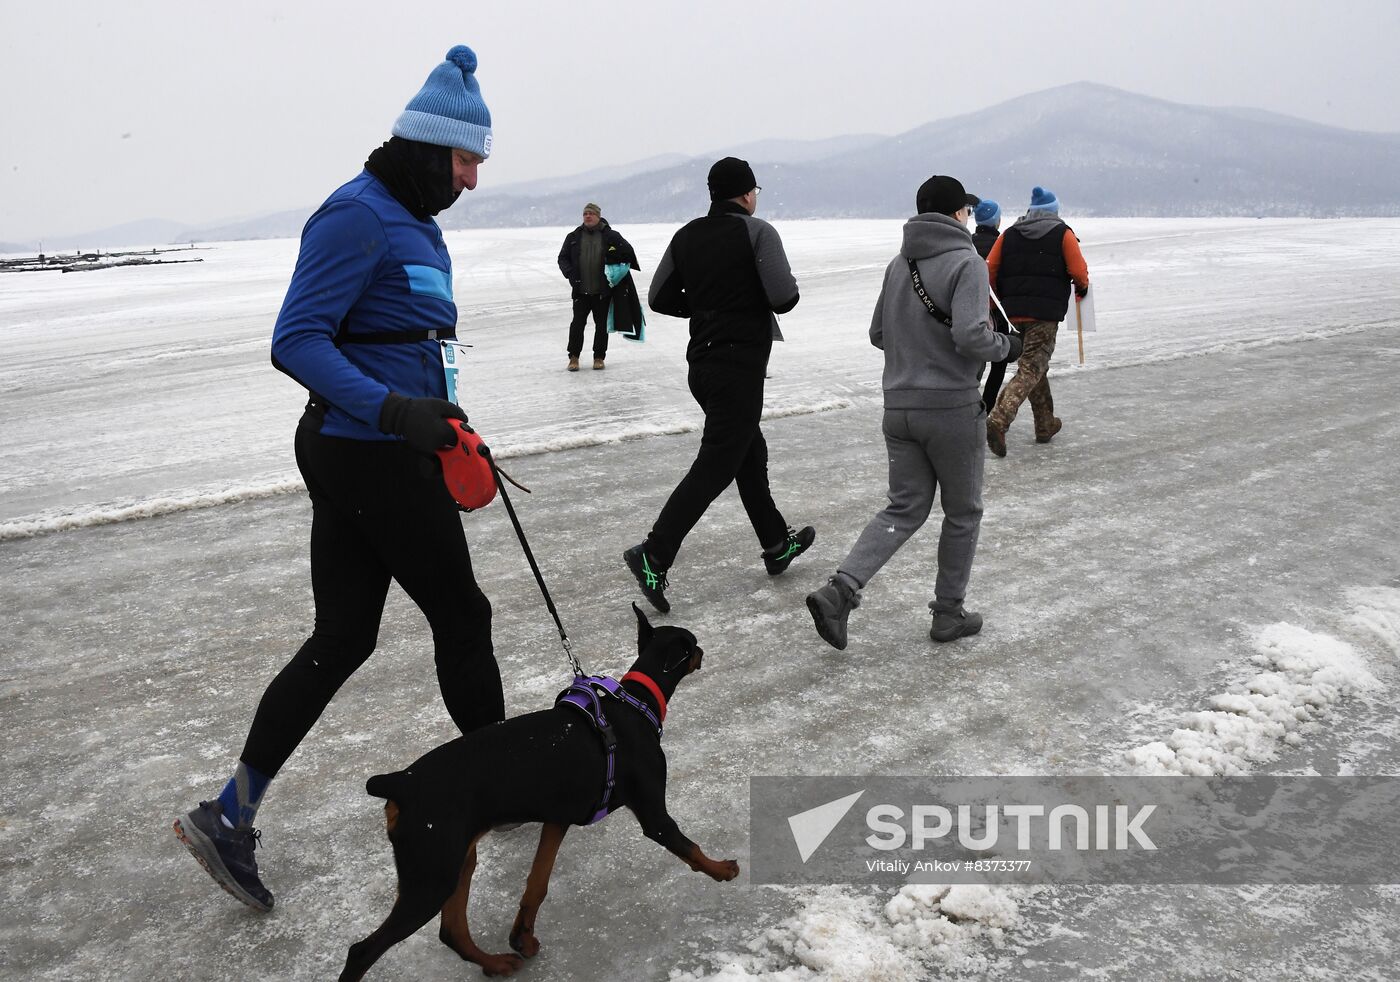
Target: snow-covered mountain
1102,150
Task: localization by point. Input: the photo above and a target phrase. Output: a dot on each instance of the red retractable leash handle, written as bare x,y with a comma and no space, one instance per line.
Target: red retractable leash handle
466,468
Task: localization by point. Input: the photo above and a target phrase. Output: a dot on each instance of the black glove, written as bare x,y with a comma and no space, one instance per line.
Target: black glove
421,422
1017,344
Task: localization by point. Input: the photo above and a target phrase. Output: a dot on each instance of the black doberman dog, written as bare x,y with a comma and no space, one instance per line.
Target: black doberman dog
545,767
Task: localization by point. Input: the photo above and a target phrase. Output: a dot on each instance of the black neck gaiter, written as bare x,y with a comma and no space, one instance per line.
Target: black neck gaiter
418,175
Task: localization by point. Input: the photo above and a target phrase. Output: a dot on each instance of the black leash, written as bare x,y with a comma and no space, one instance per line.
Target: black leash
534,566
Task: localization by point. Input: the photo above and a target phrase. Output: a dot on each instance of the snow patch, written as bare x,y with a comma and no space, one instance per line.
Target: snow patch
1305,675
151,508
155,507
840,935
1376,613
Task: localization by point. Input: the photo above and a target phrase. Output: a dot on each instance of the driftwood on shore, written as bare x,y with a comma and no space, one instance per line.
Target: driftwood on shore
80,262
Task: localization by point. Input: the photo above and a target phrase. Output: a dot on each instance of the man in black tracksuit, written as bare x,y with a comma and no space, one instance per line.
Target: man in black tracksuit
728,273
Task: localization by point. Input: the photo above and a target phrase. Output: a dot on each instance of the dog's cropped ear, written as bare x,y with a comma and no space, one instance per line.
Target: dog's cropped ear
644,628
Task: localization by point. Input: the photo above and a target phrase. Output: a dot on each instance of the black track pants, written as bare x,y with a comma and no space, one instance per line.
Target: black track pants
380,511
732,449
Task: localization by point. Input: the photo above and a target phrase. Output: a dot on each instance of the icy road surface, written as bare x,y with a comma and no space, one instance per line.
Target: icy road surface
1220,504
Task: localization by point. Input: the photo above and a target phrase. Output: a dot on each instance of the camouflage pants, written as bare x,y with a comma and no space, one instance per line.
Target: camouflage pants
1032,380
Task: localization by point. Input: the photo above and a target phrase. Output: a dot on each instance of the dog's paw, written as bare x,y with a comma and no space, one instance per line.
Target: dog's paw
501,964
525,942
724,870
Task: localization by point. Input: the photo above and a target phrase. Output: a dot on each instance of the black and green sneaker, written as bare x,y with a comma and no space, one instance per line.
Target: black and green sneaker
796,544
650,577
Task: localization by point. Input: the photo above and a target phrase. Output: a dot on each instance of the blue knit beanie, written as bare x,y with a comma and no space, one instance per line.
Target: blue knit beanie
988,213
448,111
1044,200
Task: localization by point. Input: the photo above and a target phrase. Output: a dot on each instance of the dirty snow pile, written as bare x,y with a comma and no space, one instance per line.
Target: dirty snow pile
1305,675
842,936
839,934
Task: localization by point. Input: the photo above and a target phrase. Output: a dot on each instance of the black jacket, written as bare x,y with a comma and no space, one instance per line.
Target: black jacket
983,238
1032,280
615,250
729,274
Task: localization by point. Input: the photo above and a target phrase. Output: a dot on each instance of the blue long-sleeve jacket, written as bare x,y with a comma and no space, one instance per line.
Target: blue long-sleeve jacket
366,266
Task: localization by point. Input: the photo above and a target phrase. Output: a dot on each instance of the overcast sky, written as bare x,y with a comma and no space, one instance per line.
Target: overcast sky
199,112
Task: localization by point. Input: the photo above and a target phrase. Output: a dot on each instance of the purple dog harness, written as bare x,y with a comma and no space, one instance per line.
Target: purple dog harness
584,694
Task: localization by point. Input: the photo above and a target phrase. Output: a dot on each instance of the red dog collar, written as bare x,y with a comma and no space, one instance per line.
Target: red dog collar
651,687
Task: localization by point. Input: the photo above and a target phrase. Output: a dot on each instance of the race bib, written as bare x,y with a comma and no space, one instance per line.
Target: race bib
454,359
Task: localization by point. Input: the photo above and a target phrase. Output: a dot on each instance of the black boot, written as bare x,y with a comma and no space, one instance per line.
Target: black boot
830,606
951,621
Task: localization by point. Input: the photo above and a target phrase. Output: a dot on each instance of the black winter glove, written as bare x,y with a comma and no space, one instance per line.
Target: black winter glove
1017,344
421,422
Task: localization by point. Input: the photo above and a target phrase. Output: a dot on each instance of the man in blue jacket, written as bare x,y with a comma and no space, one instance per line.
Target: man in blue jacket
359,328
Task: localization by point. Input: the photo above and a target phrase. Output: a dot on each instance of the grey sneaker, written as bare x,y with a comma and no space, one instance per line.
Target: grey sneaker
830,606
225,853
951,623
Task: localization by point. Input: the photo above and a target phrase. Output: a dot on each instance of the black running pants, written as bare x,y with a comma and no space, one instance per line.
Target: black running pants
732,450
380,512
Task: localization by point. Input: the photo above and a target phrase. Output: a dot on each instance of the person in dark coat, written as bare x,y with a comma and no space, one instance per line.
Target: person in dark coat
727,272
587,250
987,215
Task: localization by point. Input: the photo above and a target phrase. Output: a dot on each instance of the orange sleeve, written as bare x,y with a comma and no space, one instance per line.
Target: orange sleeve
993,261
1074,260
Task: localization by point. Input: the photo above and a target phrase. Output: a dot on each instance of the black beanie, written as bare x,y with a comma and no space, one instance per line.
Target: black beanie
941,194
729,178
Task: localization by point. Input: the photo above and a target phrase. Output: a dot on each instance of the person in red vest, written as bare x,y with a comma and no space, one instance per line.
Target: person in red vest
1031,267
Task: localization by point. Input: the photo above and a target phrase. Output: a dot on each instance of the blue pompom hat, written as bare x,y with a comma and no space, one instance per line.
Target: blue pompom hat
1044,200
448,111
987,213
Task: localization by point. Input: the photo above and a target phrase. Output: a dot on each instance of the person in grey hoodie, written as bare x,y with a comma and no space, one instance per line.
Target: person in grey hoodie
931,320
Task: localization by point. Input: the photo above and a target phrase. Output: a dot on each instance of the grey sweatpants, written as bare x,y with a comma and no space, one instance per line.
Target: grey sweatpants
929,449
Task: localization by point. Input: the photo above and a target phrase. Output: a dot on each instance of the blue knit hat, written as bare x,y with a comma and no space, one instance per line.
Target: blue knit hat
448,111
988,213
1044,200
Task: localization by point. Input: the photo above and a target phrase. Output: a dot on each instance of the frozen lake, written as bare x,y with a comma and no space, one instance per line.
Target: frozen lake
1220,506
